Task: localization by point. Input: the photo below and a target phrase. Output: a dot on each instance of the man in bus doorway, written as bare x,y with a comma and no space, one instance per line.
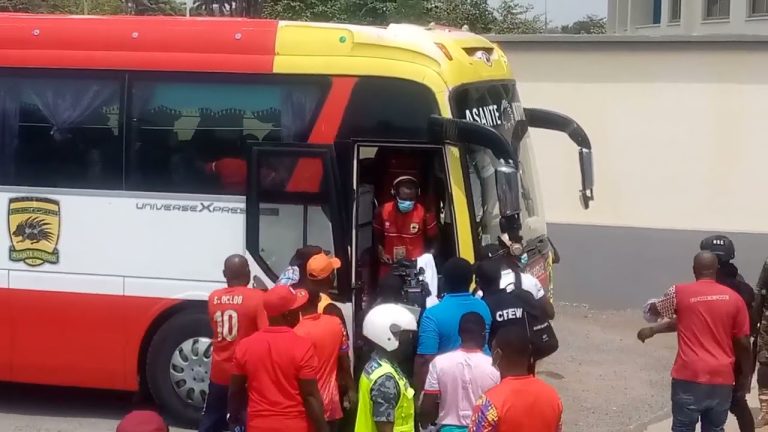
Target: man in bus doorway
403,227
235,312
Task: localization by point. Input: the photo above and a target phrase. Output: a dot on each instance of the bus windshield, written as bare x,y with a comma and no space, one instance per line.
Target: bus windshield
498,106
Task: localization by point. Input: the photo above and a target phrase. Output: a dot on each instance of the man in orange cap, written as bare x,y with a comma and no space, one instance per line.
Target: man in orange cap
329,337
321,277
276,372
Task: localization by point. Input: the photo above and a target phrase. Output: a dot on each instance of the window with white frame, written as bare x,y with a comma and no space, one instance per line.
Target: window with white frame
717,9
758,8
674,11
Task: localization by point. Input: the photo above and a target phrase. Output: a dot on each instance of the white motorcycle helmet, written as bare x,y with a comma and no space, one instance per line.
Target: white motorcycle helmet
384,322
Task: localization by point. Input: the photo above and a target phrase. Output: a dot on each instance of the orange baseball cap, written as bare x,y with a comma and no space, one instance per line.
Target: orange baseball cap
282,298
321,266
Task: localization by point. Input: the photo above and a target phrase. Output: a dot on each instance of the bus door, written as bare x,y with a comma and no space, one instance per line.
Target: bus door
294,199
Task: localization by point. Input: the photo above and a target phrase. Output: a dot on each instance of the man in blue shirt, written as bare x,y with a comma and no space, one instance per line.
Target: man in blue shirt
439,326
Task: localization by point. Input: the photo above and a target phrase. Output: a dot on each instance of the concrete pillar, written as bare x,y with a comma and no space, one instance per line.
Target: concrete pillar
691,13
611,16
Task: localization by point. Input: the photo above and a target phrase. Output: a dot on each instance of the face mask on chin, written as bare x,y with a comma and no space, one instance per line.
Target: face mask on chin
405,206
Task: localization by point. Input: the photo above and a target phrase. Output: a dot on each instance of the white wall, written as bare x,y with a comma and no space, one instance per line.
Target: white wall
676,127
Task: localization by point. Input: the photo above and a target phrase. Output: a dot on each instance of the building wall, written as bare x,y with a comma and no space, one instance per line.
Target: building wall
678,131
692,18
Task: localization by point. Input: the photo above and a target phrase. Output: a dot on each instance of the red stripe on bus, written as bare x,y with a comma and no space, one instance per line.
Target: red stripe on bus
74,339
138,43
308,172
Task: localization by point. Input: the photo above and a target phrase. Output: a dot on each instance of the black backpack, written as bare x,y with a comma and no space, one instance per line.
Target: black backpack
543,338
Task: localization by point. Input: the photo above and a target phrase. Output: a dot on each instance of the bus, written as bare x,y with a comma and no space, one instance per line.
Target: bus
136,153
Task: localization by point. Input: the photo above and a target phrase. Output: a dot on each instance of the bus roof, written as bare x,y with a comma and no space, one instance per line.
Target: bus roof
248,46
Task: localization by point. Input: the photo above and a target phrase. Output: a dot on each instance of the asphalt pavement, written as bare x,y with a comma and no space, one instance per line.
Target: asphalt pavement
30,408
607,380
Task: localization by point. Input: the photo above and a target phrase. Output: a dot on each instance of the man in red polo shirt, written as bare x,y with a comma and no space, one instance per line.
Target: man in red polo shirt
402,227
235,312
712,334
276,372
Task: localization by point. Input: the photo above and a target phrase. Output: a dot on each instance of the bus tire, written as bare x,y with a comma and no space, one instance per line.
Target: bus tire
181,345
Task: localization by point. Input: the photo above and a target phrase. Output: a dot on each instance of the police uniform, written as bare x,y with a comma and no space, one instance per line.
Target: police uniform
384,396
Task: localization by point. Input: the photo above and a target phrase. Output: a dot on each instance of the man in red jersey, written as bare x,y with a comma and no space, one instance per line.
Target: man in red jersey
713,330
520,402
329,337
403,226
276,372
235,312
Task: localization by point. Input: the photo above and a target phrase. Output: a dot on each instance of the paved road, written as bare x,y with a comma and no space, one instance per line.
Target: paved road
608,381
26,408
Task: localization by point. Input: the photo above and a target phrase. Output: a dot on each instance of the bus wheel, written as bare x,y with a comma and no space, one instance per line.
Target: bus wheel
178,366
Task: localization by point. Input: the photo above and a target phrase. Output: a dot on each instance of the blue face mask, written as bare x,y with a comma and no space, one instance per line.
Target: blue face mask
405,206
523,260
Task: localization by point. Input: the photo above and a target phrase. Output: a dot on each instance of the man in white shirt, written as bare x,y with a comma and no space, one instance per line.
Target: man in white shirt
458,378
510,266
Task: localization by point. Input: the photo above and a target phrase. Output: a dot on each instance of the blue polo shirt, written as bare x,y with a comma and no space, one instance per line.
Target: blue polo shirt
439,326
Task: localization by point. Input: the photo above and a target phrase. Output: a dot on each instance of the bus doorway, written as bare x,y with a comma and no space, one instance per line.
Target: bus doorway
377,165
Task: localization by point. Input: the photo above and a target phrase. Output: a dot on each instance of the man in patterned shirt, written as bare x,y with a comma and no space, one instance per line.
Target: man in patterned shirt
713,330
521,402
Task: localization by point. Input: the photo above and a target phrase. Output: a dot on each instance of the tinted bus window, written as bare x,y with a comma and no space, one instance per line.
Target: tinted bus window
190,135
57,130
388,108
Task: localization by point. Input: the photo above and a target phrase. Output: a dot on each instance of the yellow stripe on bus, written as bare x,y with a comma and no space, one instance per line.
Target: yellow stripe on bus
460,204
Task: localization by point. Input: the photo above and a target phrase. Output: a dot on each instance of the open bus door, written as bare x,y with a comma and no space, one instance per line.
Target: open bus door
294,199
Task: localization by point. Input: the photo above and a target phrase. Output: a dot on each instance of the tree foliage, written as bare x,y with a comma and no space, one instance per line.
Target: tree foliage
590,24
514,17
510,16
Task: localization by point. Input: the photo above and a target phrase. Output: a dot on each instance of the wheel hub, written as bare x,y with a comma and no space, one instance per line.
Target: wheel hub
190,370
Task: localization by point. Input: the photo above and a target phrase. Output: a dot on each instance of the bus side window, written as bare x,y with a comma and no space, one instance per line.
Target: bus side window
191,135
58,130
291,220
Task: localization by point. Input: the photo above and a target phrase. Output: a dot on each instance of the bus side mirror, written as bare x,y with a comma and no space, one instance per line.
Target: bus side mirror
587,177
551,120
508,190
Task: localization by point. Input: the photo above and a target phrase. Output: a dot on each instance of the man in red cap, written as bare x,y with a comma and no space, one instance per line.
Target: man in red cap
276,371
142,421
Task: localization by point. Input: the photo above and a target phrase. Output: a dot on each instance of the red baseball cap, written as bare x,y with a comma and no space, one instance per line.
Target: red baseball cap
142,421
282,298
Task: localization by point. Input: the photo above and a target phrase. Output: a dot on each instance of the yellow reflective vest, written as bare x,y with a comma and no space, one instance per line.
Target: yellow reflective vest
404,411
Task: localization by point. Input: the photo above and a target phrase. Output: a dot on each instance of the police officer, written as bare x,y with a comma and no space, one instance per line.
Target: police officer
386,399
728,275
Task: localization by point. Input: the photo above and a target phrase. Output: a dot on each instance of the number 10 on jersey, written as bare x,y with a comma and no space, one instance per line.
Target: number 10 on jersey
226,325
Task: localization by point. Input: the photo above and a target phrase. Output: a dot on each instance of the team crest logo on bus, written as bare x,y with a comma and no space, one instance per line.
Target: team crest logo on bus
34,224
485,57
